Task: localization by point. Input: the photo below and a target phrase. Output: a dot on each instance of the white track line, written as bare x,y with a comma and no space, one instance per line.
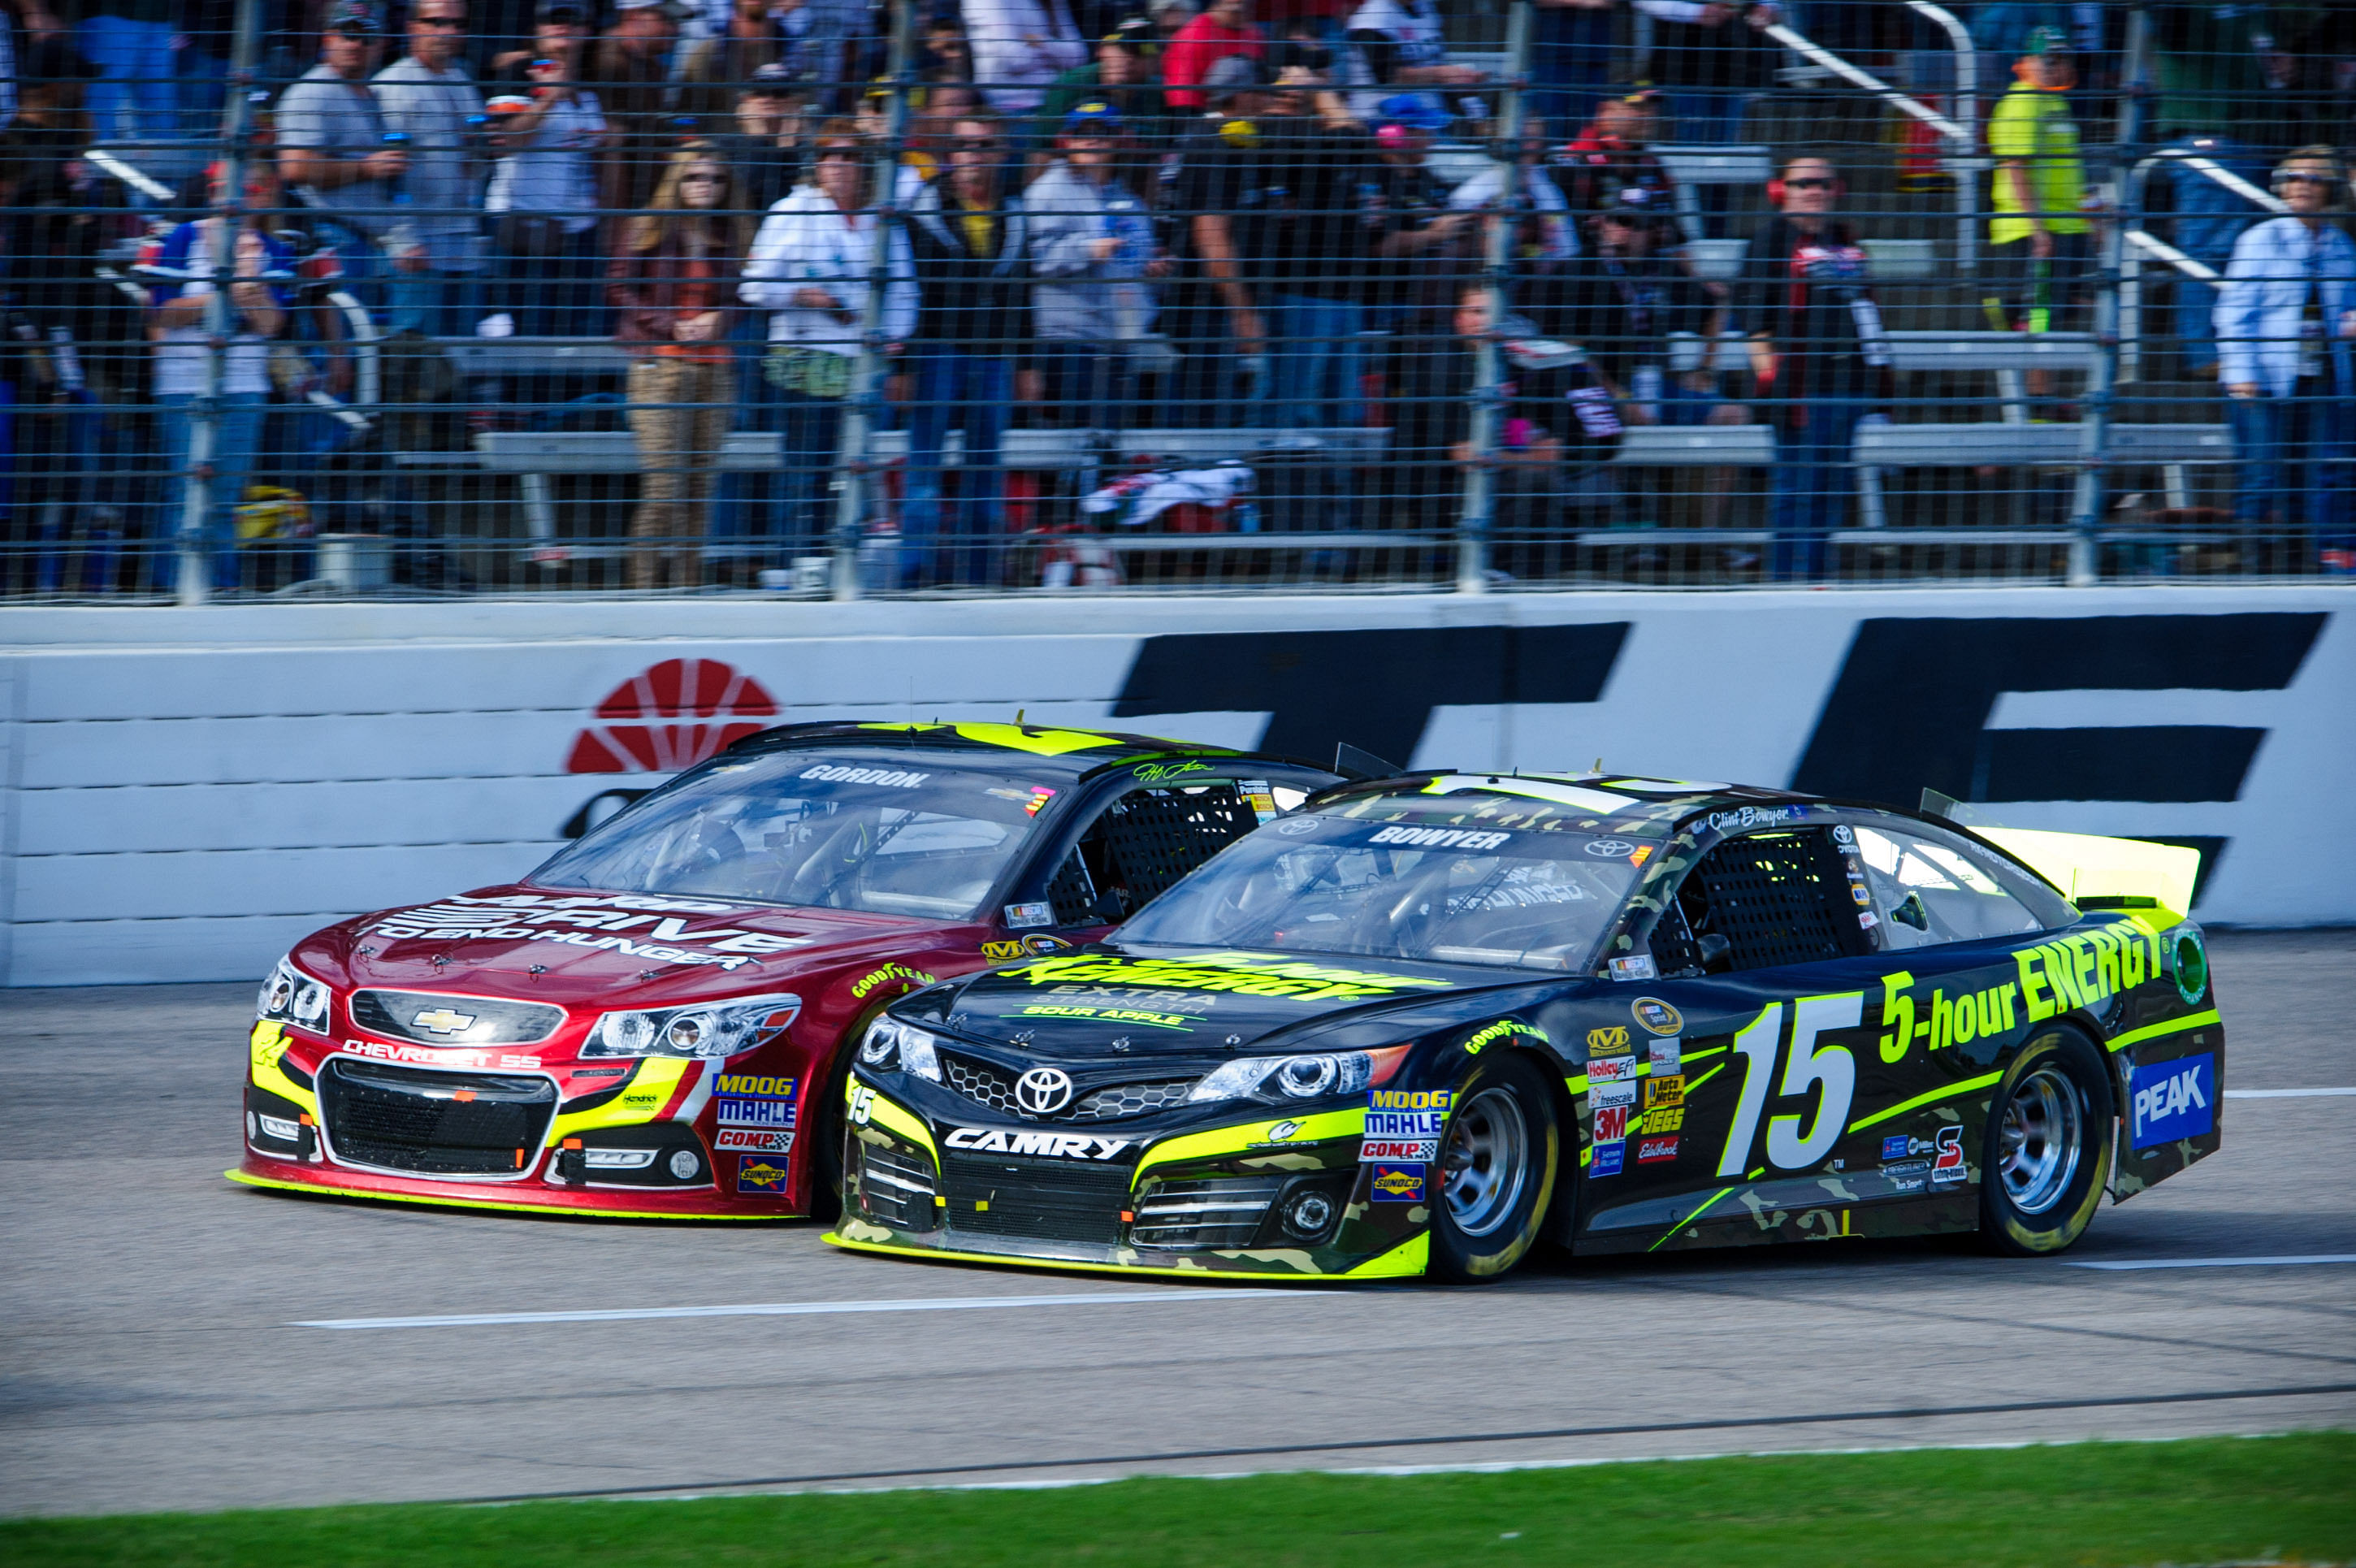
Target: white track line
2283,1093
2215,1262
804,1308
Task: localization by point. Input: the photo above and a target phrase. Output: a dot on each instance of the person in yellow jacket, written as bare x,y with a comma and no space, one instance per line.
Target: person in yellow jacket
2041,241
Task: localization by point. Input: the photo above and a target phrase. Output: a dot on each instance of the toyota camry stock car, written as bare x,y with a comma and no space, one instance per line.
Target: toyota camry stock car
1428,1021
650,1022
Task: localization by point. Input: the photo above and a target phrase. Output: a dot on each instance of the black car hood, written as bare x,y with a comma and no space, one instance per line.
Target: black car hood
1124,999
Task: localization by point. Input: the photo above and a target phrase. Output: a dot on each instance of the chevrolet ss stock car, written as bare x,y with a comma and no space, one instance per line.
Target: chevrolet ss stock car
1426,1022
651,1023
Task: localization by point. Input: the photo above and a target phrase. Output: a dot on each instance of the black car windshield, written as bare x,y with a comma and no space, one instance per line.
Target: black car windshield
1479,880
886,831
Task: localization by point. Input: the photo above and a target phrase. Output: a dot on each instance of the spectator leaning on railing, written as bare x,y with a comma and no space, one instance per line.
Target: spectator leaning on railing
435,246
969,238
670,283
331,142
179,309
813,269
2285,316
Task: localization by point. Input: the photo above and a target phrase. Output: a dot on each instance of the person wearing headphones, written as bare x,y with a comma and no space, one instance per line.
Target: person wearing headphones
1818,356
2285,316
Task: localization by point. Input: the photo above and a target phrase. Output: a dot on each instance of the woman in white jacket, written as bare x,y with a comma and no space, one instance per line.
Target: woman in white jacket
813,268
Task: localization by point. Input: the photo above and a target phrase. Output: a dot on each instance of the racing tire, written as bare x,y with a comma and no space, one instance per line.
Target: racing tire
2046,1158
1494,1183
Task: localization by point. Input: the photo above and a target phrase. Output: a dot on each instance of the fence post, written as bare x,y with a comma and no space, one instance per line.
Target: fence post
194,575
1966,159
852,464
2087,499
1488,391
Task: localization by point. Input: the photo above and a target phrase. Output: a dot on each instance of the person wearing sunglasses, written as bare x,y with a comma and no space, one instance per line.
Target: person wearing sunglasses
670,283
436,247
1818,356
2285,316
813,268
969,234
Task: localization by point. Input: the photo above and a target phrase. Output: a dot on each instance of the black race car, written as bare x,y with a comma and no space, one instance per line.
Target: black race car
1426,1021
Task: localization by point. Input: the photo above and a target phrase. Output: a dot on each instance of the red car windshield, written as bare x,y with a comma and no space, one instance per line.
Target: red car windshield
886,831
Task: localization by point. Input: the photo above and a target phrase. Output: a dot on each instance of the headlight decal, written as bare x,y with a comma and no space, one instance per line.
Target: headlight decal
890,1046
290,996
1315,1075
699,1031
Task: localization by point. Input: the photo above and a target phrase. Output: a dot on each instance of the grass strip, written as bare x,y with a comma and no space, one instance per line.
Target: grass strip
2290,1499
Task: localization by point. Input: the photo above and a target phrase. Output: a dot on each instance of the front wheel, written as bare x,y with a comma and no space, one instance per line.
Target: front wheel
1498,1159
2047,1156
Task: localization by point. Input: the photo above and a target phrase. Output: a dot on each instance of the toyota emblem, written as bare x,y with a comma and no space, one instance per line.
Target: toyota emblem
1044,1090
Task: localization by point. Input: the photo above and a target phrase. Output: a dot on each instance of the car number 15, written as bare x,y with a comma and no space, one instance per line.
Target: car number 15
1805,1065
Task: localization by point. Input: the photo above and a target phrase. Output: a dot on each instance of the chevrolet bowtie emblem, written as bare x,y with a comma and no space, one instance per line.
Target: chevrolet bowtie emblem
443,1021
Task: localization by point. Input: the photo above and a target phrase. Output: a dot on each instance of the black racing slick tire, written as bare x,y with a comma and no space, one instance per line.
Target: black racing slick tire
2045,1160
1499,1157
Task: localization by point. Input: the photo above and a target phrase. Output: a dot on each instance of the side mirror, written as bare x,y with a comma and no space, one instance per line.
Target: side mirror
1717,953
1912,913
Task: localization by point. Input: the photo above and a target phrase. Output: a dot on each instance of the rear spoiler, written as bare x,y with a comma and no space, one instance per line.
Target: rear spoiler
2098,873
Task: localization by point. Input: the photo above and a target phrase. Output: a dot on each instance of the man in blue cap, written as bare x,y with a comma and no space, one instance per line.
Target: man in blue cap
1092,249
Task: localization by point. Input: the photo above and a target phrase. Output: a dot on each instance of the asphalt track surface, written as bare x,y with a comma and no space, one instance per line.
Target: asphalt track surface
154,1318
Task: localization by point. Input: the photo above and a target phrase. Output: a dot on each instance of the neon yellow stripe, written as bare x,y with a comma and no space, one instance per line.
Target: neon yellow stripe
1920,1100
1694,1087
1250,1138
1412,1256
246,1179
1689,1219
1206,1276
1684,1056
2173,1026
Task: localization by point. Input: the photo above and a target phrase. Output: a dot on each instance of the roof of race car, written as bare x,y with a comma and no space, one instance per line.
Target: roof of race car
1084,751
1627,800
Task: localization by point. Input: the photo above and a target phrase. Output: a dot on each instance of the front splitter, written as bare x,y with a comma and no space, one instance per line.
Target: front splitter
589,1207
1405,1261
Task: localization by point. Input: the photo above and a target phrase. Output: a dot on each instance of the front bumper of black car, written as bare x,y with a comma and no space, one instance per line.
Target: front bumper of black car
1238,1191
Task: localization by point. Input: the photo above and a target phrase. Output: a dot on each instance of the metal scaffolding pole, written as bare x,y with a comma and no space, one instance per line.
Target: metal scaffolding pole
1472,529
2094,431
195,553
853,468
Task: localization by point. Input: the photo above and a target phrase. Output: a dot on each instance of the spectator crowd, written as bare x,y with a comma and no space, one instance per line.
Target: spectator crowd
1329,223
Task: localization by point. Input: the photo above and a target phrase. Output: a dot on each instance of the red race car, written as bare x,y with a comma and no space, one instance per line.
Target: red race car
652,1023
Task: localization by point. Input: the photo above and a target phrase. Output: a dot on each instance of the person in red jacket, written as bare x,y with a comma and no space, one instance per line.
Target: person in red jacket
1226,28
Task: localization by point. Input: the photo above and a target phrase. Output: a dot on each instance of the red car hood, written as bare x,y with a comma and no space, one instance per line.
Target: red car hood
548,945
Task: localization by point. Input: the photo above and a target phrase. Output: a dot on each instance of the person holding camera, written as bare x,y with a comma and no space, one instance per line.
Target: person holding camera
2285,316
